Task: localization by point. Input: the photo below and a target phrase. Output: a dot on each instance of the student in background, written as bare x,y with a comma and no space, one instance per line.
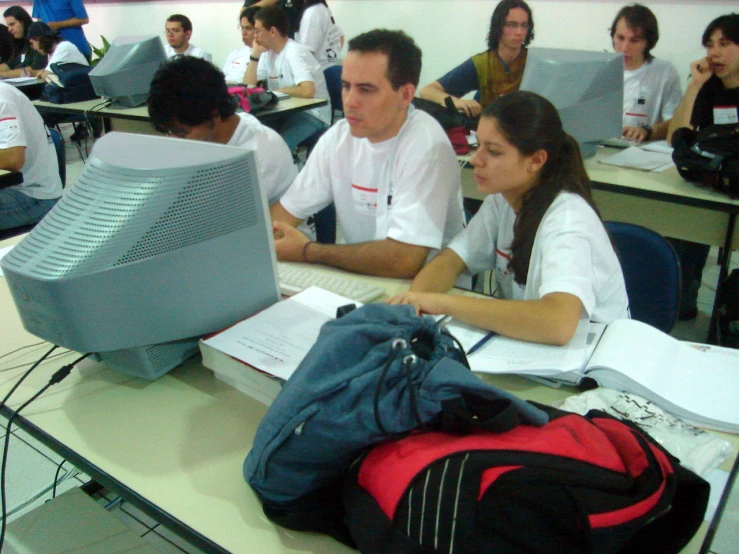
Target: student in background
67,17
494,72
236,62
48,42
651,86
189,99
26,146
178,30
293,10
19,21
320,33
389,169
289,67
538,228
711,98
6,44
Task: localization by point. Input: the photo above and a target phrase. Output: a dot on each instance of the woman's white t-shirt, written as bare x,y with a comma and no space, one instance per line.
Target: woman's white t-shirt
572,253
321,35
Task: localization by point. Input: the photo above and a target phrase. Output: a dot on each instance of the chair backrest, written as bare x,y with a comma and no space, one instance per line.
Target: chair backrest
333,83
651,270
325,222
61,156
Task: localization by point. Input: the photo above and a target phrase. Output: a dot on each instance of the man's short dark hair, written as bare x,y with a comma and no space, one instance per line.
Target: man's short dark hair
274,16
728,25
248,13
189,91
497,21
639,19
183,20
403,56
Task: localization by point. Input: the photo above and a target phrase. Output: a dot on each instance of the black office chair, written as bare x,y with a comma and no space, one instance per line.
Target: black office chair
651,270
61,158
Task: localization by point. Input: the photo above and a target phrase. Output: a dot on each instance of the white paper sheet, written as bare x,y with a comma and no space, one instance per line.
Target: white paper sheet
277,339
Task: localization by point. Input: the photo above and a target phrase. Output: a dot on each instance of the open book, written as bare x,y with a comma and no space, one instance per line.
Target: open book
697,382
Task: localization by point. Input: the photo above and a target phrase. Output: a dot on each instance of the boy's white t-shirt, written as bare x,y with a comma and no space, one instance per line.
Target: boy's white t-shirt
21,125
321,35
66,52
652,93
236,63
293,65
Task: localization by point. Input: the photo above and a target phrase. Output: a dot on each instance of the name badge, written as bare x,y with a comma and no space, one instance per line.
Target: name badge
725,115
365,200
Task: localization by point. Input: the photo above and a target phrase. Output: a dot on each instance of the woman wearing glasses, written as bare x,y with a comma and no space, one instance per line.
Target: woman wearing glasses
494,72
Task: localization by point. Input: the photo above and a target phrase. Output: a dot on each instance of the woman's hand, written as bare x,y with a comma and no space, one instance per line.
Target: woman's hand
424,302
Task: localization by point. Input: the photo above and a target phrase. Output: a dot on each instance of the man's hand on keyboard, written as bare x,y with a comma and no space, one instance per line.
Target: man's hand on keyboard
289,242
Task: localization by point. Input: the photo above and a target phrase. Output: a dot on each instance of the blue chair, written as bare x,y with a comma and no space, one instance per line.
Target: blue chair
325,222
333,83
61,155
62,161
651,270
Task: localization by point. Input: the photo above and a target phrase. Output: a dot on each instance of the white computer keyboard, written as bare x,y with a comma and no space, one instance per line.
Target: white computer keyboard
294,279
619,142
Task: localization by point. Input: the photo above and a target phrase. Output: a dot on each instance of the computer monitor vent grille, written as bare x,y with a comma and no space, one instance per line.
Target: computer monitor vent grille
200,212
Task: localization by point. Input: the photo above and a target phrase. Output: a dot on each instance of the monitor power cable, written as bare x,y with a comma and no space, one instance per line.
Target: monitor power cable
57,377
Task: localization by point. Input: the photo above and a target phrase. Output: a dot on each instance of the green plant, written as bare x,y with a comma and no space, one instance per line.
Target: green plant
100,52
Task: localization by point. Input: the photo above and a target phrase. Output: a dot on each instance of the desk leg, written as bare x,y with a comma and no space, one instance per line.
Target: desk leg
724,262
716,520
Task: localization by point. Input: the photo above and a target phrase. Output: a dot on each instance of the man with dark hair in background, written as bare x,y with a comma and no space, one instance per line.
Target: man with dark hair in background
289,67
389,169
496,71
236,62
189,99
178,30
651,86
711,98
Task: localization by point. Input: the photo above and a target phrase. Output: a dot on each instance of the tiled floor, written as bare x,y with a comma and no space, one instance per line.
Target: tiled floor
32,467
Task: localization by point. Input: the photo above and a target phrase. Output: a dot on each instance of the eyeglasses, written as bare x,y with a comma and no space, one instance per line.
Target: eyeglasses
248,29
172,31
513,25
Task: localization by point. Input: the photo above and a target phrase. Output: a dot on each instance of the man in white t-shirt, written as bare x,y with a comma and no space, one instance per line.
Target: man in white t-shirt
288,67
26,146
236,62
389,169
188,98
178,30
651,87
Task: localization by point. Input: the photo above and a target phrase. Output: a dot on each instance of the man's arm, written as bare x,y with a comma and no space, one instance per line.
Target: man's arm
436,93
13,158
73,22
383,258
306,89
639,134
700,72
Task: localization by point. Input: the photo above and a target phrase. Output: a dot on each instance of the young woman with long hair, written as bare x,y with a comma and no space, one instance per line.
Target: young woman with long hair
538,229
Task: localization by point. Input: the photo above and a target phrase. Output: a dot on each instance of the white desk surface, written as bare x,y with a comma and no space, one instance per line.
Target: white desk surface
141,113
175,446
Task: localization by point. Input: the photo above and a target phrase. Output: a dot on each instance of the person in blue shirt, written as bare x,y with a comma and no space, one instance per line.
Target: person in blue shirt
67,17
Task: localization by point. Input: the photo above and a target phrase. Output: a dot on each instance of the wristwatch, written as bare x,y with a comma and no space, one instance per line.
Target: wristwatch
648,129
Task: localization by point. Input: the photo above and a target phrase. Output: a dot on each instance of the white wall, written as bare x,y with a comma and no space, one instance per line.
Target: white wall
448,31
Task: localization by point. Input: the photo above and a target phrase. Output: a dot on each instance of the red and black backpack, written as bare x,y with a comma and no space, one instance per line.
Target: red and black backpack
579,484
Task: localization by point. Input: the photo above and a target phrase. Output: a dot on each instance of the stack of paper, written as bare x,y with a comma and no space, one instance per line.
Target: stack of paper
258,354
640,158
